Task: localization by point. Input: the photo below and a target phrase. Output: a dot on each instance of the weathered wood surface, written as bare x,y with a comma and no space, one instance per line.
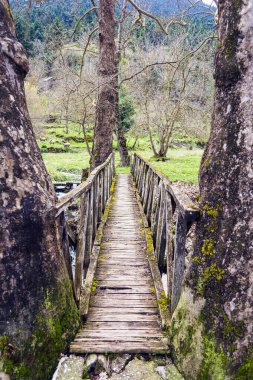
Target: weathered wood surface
93,195
170,214
123,314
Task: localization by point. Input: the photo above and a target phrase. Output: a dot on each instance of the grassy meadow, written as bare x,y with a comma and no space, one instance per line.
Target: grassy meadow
65,163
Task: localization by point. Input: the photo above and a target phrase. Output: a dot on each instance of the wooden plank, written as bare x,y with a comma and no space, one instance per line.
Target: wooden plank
81,245
179,259
131,348
71,233
120,333
169,245
126,310
117,325
126,277
147,282
64,241
103,317
110,303
146,306
123,339
124,263
120,297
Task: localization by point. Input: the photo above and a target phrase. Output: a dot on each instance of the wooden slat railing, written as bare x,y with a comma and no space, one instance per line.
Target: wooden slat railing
93,194
162,204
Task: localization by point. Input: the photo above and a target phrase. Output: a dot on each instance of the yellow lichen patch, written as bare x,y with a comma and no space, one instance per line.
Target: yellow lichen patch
163,302
213,272
211,211
208,247
94,285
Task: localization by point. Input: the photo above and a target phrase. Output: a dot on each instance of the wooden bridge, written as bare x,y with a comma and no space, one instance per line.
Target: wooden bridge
131,228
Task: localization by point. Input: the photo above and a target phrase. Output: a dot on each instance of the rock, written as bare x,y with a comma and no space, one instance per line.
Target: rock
138,370
91,362
169,372
103,376
161,370
4,376
105,363
120,362
69,368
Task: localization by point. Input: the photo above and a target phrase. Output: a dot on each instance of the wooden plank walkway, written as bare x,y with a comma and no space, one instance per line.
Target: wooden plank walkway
123,316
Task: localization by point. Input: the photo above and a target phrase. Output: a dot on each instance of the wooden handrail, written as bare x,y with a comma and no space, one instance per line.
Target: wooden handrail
165,207
182,200
68,199
93,194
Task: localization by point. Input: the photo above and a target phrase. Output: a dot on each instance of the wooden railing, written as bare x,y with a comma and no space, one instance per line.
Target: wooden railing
93,195
165,205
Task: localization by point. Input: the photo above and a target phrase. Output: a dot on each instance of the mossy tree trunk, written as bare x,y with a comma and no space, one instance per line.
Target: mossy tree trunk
213,326
38,314
105,110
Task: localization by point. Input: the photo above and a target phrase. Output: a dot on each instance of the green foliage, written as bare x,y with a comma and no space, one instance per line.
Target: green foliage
245,371
127,111
214,361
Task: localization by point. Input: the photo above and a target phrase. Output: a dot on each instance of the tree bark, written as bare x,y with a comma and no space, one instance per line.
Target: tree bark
37,303
217,300
122,142
105,110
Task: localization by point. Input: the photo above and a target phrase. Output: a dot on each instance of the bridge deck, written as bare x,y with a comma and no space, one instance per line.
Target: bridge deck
123,316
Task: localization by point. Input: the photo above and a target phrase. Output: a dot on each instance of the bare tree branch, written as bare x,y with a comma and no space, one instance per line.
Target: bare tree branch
81,18
168,62
85,49
141,11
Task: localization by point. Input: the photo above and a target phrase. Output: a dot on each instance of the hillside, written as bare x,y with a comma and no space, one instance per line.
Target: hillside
169,7
53,19
68,8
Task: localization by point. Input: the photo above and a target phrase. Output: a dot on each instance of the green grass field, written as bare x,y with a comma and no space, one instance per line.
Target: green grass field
182,163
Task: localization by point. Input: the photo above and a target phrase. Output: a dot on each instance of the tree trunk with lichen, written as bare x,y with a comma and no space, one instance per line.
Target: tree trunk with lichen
38,314
212,328
105,110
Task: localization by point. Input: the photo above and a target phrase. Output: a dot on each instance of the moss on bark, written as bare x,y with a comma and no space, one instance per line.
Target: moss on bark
56,324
